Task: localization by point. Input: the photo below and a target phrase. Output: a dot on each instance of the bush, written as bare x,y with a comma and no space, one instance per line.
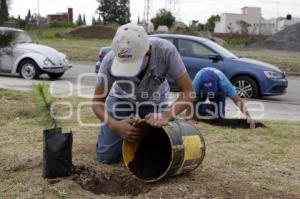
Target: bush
190,31
60,24
21,24
240,42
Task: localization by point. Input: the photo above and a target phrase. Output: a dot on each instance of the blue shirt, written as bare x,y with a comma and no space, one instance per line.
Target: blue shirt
224,85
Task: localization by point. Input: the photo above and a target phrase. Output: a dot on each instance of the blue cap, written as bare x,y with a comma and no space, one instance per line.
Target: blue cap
209,82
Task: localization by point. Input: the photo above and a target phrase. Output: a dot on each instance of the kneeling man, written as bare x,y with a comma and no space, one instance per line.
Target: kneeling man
212,87
132,82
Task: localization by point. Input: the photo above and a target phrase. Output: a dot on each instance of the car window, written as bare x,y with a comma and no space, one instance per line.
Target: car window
193,49
22,37
6,38
222,51
168,39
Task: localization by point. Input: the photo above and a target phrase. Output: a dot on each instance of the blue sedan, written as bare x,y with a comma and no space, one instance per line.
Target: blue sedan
252,78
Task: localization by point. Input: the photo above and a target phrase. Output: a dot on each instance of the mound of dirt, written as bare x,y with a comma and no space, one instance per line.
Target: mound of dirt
94,32
114,183
287,39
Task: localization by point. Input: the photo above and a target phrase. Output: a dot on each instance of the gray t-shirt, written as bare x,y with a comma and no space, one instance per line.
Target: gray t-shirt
165,61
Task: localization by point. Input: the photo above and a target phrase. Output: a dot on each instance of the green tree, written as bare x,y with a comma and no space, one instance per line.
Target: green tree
83,20
164,17
93,21
3,11
201,27
114,11
230,29
211,23
79,20
139,20
194,25
43,103
20,23
99,21
28,16
243,27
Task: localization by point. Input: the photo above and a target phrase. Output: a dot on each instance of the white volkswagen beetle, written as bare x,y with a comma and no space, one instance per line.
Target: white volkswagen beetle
19,55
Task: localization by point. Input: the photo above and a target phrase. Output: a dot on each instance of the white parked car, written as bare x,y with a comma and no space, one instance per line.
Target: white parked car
19,55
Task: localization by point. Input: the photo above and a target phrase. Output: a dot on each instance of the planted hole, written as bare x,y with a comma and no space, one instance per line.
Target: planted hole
115,183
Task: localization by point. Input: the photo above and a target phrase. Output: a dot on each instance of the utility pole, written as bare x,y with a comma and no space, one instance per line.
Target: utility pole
147,10
277,18
38,13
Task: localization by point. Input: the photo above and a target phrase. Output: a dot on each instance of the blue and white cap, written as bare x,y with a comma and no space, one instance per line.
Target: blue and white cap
130,44
209,82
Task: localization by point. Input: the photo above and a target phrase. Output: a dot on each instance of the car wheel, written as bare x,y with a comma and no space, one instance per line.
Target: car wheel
55,76
29,69
246,87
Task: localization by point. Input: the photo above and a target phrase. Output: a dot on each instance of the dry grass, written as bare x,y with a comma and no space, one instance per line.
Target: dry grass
287,61
75,48
237,160
78,49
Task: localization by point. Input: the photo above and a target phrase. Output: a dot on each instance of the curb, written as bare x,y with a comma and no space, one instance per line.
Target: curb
274,102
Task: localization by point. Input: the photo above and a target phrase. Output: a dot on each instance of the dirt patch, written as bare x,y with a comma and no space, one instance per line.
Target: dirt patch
113,183
153,155
287,39
233,123
94,32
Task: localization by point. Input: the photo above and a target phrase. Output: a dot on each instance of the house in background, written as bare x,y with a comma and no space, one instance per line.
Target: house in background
229,22
11,22
282,22
67,17
272,26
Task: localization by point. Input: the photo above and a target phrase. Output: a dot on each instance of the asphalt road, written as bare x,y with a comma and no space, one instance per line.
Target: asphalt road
292,96
293,92
285,107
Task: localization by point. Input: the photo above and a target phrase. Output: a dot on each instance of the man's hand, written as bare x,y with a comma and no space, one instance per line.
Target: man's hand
239,103
251,122
126,130
158,119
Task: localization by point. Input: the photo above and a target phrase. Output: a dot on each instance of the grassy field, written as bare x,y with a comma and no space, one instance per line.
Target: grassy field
239,163
287,61
79,49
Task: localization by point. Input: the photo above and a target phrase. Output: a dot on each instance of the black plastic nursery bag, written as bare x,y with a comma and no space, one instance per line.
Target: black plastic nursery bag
57,153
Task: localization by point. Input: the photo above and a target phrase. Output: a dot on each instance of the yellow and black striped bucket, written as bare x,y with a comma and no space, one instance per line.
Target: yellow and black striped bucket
171,150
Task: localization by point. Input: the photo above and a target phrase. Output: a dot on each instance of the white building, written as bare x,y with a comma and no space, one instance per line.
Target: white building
282,23
268,26
272,26
229,22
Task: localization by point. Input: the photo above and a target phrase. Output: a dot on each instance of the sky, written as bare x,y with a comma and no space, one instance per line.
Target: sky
185,10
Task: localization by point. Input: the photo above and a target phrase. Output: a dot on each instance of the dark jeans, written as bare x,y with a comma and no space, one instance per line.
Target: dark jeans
109,144
215,109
